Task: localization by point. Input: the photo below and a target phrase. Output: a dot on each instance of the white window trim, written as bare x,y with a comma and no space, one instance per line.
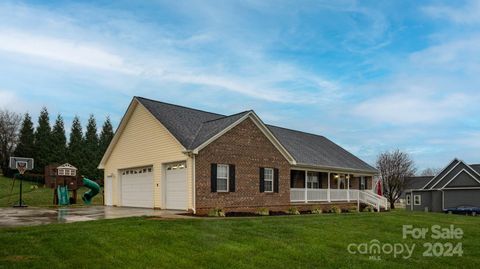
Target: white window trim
265,179
408,198
311,182
415,199
227,178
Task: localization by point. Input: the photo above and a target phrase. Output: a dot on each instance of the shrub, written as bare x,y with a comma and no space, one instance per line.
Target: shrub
317,210
352,209
293,211
335,209
368,209
263,212
216,212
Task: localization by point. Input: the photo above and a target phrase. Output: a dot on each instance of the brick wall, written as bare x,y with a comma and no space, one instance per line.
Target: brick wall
248,149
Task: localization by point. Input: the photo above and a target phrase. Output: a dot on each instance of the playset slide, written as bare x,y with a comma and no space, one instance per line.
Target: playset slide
63,196
94,190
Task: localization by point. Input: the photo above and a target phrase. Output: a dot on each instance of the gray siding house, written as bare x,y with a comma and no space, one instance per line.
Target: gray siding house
458,184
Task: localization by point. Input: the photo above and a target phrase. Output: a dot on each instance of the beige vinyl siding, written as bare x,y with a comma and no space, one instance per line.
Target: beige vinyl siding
144,141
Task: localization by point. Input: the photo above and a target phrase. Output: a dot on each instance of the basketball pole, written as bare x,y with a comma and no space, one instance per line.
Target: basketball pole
20,201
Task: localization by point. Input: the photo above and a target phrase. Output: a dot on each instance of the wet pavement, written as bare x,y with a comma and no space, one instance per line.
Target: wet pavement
30,216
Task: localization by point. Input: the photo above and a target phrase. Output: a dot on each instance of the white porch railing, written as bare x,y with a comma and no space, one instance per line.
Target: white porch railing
335,195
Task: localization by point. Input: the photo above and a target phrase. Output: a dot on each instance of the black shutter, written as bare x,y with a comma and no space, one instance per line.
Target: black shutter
320,180
262,177
213,179
275,180
231,177
360,179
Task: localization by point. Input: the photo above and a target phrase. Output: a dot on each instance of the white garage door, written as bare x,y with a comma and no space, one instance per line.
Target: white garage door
176,186
137,187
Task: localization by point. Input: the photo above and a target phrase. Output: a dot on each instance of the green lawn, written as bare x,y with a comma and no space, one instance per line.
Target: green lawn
33,196
307,241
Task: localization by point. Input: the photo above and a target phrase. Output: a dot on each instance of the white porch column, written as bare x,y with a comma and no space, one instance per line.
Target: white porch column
348,188
328,183
306,175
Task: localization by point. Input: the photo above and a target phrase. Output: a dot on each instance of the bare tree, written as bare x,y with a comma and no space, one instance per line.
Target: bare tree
394,167
9,127
430,172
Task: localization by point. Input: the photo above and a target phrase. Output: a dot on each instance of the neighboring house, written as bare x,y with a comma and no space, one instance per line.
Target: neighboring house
458,184
413,183
173,157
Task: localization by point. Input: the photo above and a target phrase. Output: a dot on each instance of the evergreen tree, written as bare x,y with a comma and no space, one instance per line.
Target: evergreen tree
75,155
26,141
106,136
91,149
59,141
43,145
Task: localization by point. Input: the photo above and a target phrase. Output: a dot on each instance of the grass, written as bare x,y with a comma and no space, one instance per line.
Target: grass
306,241
39,197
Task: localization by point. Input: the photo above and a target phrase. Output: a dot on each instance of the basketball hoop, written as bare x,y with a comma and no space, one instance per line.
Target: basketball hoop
21,164
21,167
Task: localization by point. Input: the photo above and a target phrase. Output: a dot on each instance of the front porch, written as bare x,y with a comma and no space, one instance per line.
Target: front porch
328,187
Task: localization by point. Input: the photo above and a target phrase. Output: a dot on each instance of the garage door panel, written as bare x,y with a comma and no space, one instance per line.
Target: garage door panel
467,197
176,186
137,187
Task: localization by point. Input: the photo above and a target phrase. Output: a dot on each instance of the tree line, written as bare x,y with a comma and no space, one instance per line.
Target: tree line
48,144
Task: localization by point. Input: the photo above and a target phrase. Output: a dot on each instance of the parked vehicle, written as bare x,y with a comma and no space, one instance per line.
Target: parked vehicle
464,210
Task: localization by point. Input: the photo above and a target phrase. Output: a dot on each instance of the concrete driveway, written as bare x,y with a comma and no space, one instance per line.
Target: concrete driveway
12,217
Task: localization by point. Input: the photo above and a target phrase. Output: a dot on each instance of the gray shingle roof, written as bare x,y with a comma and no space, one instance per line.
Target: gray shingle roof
213,127
311,149
414,183
475,167
193,127
183,122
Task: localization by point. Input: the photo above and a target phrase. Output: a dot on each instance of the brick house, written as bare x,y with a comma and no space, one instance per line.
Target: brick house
172,157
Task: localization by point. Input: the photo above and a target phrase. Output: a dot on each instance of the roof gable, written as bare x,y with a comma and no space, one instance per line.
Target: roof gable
455,174
463,179
234,120
210,128
442,174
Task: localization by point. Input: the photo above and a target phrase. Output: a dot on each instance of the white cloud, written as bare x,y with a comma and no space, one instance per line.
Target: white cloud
62,50
461,54
467,14
17,102
413,107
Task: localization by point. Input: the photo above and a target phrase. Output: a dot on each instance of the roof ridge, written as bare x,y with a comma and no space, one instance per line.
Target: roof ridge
228,116
298,131
180,106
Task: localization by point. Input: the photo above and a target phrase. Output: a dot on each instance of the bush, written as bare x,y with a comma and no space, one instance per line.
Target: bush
335,209
316,210
263,212
352,209
293,211
369,209
216,212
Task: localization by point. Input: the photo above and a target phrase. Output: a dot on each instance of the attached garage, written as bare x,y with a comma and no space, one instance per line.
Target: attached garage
465,197
137,187
176,191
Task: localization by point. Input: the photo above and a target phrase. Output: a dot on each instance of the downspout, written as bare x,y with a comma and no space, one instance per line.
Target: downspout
193,184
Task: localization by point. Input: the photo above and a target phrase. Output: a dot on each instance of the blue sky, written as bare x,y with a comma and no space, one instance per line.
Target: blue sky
369,75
